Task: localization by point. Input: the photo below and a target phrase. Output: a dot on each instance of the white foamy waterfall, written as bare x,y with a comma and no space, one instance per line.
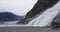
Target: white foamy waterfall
46,17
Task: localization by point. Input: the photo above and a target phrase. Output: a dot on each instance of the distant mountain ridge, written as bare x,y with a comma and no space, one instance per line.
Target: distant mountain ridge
7,16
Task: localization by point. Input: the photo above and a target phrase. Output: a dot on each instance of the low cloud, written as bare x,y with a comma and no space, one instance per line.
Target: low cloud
18,7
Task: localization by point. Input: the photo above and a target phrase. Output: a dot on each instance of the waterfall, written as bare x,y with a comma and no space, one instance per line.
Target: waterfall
46,17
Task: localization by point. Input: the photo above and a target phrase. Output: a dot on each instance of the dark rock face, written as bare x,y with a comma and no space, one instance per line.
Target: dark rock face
56,22
7,16
38,8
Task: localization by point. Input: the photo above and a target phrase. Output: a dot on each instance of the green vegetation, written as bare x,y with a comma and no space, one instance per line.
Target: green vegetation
38,8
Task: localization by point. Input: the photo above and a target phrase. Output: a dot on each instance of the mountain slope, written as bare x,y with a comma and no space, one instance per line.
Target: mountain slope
7,16
38,8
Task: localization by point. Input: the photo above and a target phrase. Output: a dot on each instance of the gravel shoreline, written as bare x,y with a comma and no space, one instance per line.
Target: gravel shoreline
28,29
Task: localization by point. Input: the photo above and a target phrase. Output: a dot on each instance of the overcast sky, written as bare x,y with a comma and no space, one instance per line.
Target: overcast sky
18,7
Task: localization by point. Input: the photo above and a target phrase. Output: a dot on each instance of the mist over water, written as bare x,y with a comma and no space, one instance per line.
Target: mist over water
17,7
21,7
